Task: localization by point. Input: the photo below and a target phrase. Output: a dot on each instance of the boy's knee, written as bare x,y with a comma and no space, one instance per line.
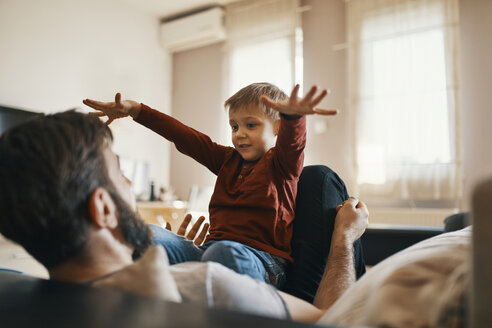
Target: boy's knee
225,250
236,257
233,255
161,236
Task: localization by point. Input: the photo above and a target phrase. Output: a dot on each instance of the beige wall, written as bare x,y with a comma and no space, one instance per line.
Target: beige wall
54,53
475,96
197,102
330,139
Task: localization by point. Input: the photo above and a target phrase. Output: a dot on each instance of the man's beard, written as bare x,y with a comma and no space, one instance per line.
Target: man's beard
135,231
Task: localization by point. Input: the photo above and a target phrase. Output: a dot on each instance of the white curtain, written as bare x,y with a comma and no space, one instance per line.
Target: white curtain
261,43
403,87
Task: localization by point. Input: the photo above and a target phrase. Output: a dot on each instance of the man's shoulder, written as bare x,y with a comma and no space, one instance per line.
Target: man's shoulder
150,276
196,268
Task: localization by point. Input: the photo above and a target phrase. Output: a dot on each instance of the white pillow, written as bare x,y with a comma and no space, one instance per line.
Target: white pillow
421,286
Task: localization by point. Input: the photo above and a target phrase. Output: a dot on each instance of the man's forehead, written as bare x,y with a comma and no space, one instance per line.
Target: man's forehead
110,155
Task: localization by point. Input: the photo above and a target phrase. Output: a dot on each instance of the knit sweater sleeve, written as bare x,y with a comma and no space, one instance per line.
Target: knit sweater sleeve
186,139
289,149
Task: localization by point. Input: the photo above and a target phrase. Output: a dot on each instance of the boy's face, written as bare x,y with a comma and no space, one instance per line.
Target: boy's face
253,132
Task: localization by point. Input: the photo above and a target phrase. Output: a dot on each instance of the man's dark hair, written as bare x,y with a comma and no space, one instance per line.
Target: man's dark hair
49,167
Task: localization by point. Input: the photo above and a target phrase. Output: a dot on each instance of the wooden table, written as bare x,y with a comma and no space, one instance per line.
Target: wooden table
159,212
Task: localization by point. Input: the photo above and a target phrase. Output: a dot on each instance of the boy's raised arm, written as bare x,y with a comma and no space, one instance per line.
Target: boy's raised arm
291,139
114,110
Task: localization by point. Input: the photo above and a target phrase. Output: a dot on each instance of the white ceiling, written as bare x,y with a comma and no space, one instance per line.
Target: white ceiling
165,8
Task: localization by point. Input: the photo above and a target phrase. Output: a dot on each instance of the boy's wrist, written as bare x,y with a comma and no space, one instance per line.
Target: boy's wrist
290,117
134,108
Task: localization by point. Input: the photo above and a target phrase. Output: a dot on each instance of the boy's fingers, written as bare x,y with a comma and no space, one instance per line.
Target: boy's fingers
321,111
98,114
293,94
90,102
96,105
338,207
117,98
193,231
269,103
184,225
318,99
87,102
309,95
201,237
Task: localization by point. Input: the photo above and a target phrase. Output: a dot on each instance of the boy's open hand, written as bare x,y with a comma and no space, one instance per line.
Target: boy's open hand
192,234
300,106
114,110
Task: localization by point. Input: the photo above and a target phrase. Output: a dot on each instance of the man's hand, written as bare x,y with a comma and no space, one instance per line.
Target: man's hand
300,106
114,110
351,220
194,230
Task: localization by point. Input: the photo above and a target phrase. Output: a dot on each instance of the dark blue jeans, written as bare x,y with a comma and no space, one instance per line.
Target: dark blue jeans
243,259
319,192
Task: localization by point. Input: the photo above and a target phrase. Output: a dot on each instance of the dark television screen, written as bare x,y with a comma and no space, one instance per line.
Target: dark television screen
11,116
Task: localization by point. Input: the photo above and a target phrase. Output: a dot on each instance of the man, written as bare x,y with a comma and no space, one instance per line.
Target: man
64,198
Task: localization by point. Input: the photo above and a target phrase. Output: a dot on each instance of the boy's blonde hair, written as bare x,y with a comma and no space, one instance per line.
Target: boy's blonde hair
250,95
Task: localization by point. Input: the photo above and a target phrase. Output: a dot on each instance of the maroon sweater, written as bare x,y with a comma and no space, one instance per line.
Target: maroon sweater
253,202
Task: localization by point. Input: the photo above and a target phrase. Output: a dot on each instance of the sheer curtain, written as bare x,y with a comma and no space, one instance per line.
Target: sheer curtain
263,43
403,87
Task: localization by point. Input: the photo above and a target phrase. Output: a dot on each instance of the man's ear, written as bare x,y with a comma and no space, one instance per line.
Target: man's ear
276,127
102,209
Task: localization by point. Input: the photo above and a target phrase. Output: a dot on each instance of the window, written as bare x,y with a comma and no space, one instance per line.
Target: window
267,61
403,89
264,44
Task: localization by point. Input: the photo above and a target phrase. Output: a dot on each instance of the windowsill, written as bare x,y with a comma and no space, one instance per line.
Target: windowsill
425,217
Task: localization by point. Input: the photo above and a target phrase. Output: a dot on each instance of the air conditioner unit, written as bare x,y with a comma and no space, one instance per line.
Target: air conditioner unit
195,30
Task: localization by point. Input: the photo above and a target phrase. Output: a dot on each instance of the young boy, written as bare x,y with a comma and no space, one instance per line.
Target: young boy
252,207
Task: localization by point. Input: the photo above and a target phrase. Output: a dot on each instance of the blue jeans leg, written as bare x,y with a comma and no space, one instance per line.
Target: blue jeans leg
179,249
247,260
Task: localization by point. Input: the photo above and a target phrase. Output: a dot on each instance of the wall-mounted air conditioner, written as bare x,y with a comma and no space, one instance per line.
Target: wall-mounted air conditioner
194,30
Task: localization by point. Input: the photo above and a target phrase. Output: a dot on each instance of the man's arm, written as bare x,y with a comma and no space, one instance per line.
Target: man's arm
350,223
